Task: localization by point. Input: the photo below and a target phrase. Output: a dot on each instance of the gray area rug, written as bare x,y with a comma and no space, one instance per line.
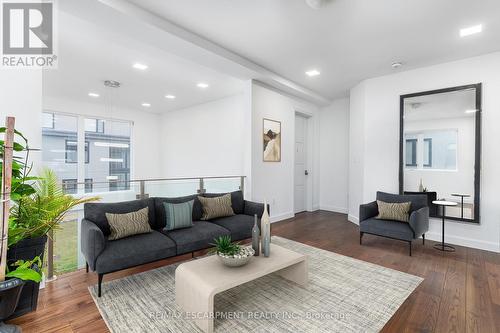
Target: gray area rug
343,295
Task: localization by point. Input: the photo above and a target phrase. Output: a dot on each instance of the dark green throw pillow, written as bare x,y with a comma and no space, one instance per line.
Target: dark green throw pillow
178,215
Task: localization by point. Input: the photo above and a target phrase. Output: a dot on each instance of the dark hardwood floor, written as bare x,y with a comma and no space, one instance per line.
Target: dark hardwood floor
460,293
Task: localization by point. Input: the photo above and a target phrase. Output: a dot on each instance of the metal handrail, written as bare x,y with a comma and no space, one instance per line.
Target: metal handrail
154,180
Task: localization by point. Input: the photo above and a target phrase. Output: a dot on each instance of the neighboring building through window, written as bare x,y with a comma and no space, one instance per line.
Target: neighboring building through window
107,152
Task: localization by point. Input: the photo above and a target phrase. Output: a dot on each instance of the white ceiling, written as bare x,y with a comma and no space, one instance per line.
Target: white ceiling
92,50
347,40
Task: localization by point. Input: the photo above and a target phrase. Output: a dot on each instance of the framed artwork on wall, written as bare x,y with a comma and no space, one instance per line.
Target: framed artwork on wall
271,136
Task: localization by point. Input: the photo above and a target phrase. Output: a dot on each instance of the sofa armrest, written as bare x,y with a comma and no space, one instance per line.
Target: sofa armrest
252,208
419,221
93,242
368,210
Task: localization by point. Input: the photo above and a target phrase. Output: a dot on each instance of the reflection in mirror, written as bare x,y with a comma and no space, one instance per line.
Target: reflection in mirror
439,149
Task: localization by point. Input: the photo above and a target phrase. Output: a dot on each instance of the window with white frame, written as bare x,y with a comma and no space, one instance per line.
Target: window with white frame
433,150
106,146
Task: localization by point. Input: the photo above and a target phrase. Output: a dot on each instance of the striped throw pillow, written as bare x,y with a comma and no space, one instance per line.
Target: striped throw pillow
216,207
393,211
178,215
124,225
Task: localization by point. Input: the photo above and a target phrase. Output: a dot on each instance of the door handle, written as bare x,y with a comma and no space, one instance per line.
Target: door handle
306,172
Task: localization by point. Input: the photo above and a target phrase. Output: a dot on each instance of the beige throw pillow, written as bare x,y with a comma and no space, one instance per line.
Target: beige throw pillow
216,207
124,225
393,211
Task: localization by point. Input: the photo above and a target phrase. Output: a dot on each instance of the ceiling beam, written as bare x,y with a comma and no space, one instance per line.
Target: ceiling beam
258,72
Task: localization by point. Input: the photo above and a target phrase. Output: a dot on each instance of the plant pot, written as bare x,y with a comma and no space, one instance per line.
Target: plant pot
10,290
27,249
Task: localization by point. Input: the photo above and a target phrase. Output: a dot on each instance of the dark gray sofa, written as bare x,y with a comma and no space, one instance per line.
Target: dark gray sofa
417,226
104,256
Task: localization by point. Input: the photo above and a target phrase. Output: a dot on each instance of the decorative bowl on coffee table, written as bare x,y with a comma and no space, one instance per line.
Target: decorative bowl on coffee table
239,259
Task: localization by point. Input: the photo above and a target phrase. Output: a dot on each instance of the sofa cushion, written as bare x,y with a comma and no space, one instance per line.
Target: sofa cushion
239,225
96,212
198,237
216,207
237,201
134,250
387,228
160,209
178,215
129,224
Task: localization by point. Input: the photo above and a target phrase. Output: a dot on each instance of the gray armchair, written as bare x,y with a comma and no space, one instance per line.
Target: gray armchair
417,226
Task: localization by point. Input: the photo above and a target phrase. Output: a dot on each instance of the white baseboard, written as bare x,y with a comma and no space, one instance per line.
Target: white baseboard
353,219
281,217
333,209
464,241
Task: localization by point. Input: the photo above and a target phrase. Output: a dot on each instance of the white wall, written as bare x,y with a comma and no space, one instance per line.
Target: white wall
356,150
334,156
204,140
145,132
21,97
375,121
275,181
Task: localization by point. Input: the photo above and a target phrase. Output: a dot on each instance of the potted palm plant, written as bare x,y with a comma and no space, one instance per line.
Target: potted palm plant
39,205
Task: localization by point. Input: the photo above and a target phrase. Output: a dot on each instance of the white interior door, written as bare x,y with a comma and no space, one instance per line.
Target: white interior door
300,163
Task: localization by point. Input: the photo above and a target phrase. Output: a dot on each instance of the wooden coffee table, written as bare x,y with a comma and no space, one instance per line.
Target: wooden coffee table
198,281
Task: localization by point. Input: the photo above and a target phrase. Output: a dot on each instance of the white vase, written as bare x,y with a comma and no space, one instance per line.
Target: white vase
421,186
265,225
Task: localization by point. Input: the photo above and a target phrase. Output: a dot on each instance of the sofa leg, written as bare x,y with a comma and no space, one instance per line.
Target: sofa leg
409,244
360,238
99,284
86,267
423,239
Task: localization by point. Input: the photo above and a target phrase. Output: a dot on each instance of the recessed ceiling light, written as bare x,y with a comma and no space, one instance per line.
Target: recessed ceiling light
202,85
170,96
313,72
471,30
140,66
146,105
93,94
471,111
396,65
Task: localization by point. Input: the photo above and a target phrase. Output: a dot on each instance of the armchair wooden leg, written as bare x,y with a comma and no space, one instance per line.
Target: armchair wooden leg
86,267
423,239
360,237
409,243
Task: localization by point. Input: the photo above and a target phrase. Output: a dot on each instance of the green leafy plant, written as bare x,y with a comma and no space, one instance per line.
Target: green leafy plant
21,180
28,270
36,214
224,245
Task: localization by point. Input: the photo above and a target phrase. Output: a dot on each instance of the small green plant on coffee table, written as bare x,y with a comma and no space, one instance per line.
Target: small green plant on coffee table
224,245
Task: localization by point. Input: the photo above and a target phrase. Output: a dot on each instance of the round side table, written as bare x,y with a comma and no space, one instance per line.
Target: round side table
462,196
443,246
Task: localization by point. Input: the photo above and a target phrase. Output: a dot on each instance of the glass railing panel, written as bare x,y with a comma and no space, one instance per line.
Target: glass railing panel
222,185
172,188
67,256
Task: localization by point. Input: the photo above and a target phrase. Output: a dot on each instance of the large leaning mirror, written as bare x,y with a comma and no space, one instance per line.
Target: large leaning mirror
440,148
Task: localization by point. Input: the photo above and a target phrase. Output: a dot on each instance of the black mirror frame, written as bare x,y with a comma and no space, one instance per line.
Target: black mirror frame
477,153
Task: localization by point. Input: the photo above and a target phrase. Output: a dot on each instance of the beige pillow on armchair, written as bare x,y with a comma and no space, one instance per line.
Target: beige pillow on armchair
393,211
